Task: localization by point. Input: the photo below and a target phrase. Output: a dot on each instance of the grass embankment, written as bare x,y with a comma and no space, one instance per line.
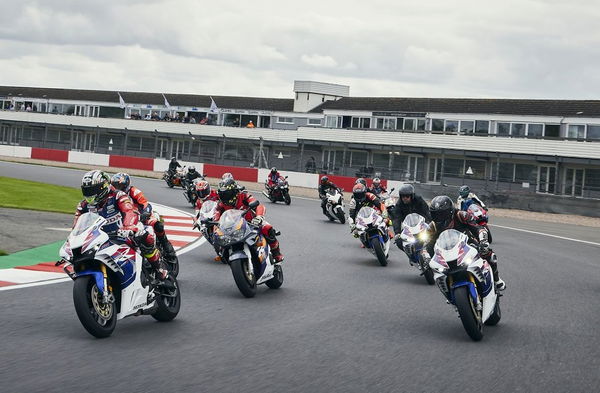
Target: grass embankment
31,195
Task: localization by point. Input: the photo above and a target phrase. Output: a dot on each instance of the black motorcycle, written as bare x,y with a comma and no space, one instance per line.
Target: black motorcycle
280,192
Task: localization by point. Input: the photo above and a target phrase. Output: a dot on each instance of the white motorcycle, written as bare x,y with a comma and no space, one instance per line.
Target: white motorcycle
467,282
112,280
247,252
334,207
415,237
372,230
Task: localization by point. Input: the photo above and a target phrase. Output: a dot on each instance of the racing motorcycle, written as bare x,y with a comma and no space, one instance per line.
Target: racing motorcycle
246,251
467,282
480,216
112,280
334,207
174,179
372,230
206,224
190,190
279,192
415,237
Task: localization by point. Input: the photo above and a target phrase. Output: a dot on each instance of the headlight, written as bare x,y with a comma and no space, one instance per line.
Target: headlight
423,237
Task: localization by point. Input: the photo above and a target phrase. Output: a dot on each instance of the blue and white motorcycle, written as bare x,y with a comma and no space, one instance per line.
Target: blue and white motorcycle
112,280
371,228
467,282
247,252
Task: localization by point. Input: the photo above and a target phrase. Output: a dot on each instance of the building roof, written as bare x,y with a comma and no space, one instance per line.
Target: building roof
190,100
571,108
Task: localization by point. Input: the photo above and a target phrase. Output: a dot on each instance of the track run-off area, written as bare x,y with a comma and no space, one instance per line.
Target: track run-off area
340,322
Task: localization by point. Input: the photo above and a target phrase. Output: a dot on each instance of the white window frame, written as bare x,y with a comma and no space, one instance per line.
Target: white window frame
285,120
314,122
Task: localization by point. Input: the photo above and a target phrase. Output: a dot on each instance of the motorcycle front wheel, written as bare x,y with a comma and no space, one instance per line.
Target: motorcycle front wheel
341,216
244,277
378,247
429,276
468,315
277,279
98,318
168,302
286,198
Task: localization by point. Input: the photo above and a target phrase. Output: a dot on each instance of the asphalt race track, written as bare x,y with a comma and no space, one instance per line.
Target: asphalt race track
340,322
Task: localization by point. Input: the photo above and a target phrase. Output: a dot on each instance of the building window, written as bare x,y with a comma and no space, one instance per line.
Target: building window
333,122
451,126
285,120
503,129
535,130
437,124
593,132
386,123
517,129
409,124
466,127
421,124
482,126
576,131
361,122
314,122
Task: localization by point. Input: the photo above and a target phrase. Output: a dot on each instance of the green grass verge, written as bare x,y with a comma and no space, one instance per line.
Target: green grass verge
31,195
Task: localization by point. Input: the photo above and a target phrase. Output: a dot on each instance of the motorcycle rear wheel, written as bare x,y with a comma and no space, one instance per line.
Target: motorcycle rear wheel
168,302
378,247
244,279
467,313
98,319
277,279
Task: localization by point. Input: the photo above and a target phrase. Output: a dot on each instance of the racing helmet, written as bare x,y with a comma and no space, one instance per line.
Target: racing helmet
121,181
359,192
406,190
442,211
324,179
273,170
464,191
361,181
202,189
95,186
376,182
228,191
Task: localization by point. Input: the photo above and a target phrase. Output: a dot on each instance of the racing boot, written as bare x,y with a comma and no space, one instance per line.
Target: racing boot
276,252
152,254
493,261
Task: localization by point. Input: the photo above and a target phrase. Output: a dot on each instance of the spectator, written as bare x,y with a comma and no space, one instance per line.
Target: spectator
250,124
192,120
204,120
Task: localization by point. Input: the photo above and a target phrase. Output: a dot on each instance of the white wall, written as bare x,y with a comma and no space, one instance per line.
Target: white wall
15,151
88,158
297,179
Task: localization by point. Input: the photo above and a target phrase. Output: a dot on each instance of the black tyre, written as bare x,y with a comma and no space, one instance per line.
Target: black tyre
496,314
286,198
378,247
244,278
429,276
489,234
170,184
277,279
168,302
97,318
468,315
172,266
341,216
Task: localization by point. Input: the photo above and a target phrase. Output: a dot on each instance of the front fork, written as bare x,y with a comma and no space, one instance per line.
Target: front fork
107,295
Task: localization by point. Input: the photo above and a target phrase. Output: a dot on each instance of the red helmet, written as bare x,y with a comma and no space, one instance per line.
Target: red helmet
359,191
202,189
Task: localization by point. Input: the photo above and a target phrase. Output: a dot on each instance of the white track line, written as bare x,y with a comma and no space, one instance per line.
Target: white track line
547,234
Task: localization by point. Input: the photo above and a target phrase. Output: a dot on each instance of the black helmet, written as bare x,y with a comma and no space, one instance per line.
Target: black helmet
464,191
442,211
192,169
406,190
359,191
273,170
228,191
324,179
361,181
173,159
95,187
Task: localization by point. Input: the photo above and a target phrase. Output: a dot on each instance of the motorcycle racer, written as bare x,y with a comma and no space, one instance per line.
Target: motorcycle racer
466,198
121,216
204,193
122,181
230,197
408,202
361,197
324,187
445,216
376,187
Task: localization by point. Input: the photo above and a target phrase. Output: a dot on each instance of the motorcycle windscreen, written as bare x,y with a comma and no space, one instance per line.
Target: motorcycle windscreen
234,225
364,215
207,208
85,221
475,211
415,223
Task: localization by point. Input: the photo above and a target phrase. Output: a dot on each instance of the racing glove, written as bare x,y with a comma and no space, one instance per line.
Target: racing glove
257,221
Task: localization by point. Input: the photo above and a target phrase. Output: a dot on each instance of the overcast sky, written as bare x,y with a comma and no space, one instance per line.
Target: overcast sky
396,48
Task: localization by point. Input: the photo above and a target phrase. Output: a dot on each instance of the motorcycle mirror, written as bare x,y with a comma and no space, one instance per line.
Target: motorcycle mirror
285,177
